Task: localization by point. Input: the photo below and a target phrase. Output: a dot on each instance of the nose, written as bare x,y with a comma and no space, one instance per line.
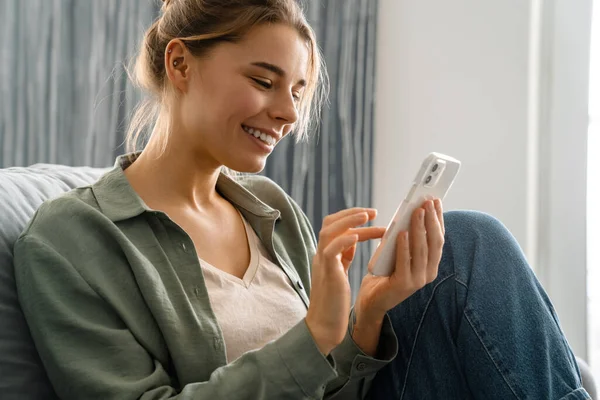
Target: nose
284,109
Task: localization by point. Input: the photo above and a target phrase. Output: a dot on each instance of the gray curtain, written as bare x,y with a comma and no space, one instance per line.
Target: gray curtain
65,97
64,94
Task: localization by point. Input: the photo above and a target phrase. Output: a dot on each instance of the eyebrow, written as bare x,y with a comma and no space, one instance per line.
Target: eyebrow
276,70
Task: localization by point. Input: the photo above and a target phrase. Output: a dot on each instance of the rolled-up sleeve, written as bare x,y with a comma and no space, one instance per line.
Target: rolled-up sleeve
356,370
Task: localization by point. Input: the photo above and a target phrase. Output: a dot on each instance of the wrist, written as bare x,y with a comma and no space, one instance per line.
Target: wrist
320,338
365,331
364,316
367,338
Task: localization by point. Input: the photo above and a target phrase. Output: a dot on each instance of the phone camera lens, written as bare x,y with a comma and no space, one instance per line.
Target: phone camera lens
435,167
428,179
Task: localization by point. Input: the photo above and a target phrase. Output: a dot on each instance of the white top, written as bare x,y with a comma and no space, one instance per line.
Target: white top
254,310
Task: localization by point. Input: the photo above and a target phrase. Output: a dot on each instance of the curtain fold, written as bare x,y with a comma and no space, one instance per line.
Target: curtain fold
66,98
65,94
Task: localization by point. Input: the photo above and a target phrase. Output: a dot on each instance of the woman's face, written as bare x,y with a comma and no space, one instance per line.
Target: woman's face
241,91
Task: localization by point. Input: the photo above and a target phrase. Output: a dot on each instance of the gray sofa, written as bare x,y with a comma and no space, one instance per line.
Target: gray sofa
22,190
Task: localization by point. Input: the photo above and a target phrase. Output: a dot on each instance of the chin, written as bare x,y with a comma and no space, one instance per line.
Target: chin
247,167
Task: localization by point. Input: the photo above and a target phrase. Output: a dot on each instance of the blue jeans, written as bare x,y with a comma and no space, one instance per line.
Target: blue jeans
484,329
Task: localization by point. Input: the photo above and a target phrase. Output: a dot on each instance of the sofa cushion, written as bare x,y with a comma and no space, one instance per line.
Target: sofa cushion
22,190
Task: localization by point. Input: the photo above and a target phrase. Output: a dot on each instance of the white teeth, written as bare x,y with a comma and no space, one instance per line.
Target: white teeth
270,140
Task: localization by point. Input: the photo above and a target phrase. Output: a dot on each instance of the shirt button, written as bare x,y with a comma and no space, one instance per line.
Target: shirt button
300,285
184,247
361,366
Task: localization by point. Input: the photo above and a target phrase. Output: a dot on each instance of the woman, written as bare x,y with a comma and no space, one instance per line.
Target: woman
169,279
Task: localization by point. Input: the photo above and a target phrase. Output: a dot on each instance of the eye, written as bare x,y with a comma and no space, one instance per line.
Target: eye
265,84
296,96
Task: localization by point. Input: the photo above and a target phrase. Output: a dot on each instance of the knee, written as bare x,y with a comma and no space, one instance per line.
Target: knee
476,240
471,219
476,226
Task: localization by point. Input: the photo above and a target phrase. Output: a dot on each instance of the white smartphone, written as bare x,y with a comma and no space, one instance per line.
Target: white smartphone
434,179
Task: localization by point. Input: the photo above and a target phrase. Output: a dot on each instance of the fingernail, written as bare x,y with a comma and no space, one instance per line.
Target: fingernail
430,206
402,236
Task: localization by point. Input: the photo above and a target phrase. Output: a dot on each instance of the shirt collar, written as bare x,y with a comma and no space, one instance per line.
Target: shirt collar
118,201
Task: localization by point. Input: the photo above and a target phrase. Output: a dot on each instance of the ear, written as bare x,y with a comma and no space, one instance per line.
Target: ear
177,64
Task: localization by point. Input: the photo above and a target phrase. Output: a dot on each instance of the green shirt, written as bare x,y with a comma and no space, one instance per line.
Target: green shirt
115,299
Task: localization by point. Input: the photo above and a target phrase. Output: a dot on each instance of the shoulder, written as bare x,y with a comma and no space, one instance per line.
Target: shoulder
66,218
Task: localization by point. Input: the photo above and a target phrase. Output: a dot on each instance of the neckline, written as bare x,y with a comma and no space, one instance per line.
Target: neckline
119,201
252,268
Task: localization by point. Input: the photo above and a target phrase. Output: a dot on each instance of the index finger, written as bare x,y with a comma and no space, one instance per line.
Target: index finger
368,233
331,218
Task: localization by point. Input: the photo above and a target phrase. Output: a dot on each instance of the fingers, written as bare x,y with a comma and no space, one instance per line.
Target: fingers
351,218
440,214
419,251
340,233
418,247
435,241
330,219
402,273
368,233
339,245
330,232
348,256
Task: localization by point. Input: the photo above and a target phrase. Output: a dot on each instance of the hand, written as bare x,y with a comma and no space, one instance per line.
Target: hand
418,254
327,316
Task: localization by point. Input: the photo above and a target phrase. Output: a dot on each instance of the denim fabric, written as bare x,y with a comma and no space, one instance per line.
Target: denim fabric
484,329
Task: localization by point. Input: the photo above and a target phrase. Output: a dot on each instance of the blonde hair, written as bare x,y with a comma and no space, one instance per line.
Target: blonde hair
201,25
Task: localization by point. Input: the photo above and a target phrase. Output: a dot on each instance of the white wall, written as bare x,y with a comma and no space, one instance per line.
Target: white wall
478,80
452,77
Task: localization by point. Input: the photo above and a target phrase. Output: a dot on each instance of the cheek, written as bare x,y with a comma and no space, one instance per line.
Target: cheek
244,102
218,104
194,111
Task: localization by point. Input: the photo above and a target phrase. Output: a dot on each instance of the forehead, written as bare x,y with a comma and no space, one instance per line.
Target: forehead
276,44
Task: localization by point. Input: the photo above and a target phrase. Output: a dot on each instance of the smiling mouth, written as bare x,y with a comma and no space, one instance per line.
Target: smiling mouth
264,137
